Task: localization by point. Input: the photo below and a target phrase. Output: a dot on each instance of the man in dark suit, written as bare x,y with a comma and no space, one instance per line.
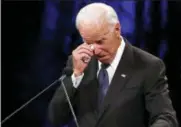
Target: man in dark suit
113,83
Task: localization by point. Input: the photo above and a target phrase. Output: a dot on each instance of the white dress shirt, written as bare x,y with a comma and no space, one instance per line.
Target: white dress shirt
111,69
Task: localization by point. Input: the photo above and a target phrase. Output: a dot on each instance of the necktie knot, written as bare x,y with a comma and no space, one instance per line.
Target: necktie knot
104,66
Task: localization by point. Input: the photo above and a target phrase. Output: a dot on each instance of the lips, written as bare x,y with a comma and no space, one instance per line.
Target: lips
103,57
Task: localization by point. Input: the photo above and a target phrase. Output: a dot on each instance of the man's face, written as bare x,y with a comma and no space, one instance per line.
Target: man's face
103,38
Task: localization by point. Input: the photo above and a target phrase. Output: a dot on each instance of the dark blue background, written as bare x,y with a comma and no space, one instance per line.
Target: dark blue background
37,37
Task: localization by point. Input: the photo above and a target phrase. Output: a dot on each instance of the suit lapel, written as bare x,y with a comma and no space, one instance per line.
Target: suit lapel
121,76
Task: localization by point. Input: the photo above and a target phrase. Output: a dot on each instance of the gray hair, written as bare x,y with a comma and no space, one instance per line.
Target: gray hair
91,14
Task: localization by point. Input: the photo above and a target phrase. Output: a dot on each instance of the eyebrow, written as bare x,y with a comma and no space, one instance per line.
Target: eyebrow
101,38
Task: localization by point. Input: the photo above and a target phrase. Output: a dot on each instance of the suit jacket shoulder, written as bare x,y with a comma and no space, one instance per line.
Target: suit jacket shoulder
145,59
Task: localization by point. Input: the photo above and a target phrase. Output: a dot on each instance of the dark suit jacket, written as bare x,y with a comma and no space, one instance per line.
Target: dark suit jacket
138,99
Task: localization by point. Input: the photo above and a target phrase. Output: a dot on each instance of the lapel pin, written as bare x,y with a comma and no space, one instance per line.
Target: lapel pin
165,77
123,75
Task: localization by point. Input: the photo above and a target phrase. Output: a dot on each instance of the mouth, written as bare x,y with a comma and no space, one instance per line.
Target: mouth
104,58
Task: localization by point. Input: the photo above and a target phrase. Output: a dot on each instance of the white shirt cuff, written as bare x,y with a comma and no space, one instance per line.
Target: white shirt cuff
76,80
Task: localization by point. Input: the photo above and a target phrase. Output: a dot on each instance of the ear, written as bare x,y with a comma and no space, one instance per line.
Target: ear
117,29
117,26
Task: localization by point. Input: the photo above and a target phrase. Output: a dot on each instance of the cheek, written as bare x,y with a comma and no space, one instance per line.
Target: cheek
107,49
111,47
103,49
101,52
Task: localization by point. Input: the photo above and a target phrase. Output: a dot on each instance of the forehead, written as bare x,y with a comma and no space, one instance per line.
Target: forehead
93,32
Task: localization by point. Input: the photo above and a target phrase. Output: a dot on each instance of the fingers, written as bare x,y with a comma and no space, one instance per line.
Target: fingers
84,48
86,59
81,57
85,51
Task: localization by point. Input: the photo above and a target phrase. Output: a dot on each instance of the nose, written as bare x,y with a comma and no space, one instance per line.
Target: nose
97,50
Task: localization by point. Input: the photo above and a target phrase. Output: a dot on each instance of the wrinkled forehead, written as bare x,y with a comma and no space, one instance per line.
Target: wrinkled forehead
92,32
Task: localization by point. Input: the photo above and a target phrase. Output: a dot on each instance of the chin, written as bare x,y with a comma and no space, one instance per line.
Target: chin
104,60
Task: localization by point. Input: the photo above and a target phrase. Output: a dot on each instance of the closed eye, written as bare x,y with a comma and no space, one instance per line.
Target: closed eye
100,41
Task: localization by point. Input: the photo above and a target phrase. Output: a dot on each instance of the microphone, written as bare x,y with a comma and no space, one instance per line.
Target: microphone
69,72
66,72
